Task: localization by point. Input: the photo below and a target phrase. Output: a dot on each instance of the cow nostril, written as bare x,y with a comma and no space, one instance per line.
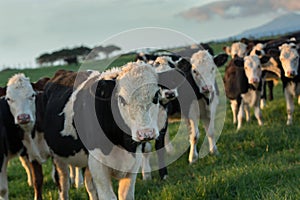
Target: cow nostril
23,118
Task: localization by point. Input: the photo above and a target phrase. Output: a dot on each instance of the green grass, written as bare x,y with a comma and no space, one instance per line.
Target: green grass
254,163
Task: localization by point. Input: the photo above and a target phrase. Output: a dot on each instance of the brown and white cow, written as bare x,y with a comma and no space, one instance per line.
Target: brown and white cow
17,123
242,82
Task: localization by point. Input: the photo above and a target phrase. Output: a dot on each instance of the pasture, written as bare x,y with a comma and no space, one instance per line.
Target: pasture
254,163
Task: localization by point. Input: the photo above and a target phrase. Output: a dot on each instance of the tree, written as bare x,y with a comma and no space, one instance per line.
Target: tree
109,49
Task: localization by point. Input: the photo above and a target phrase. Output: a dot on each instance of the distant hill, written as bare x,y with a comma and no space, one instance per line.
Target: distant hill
280,25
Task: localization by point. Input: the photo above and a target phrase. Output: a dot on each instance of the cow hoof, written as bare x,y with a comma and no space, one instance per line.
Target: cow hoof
289,122
262,103
164,178
170,149
147,176
193,161
214,153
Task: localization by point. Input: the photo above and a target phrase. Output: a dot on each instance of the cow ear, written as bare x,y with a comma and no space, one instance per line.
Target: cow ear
103,89
220,59
274,52
238,62
40,84
184,65
264,59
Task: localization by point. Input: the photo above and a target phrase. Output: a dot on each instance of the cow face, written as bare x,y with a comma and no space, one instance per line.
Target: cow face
204,71
289,58
169,78
21,100
252,66
138,100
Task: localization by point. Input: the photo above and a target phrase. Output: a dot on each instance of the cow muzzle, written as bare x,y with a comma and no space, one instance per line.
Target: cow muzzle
23,118
146,134
170,94
254,80
206,89
291,74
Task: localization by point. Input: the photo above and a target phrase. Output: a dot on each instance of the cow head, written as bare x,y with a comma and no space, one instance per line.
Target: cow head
252,67
138,100
236,49
289,59
21,100
169,78
204,71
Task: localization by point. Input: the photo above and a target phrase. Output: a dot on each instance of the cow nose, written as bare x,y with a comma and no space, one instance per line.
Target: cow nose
170,94
145,134
206,88
23,118
254,80
291,73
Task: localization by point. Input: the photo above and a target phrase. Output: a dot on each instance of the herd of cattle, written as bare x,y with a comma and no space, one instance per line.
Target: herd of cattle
101,122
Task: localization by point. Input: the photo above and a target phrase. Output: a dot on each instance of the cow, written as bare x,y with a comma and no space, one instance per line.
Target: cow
290,76
117,110
17,131
197,94
243,84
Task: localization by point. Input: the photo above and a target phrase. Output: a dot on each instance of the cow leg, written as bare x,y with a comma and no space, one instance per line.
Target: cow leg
240,115
146,168
194,137
102,179
161,151
26,165
72,173
234,108
89,185
247,112
3,179
76,176
270,86
289,106
298,100
257,112
168,144
37,178
126,187
263,95
62,178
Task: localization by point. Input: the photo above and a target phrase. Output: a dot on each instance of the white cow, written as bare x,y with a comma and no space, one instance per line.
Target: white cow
236,49
289,58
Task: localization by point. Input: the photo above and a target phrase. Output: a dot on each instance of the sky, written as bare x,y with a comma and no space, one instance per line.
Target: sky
29,28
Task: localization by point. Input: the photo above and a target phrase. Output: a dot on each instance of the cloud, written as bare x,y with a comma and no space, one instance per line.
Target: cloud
239,8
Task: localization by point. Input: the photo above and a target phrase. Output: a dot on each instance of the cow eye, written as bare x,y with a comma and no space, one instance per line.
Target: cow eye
122,101
156,97
9,100
194,71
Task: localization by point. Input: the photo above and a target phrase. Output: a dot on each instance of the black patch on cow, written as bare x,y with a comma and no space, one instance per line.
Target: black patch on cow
94,109
11,135
235,79
57,93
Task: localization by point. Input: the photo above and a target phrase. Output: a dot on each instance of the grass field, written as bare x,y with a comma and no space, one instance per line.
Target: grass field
254,163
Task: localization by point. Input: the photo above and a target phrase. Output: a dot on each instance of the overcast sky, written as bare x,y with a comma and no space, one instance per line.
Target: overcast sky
31,27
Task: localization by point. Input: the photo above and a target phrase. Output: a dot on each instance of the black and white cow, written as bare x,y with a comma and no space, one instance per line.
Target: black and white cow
243,84
17,131
290,76
201,96
100,125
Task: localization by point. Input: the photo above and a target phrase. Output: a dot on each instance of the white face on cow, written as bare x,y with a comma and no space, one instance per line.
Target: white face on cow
239,49
138,100
289,58
21,100
204,71
161,64
252,68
